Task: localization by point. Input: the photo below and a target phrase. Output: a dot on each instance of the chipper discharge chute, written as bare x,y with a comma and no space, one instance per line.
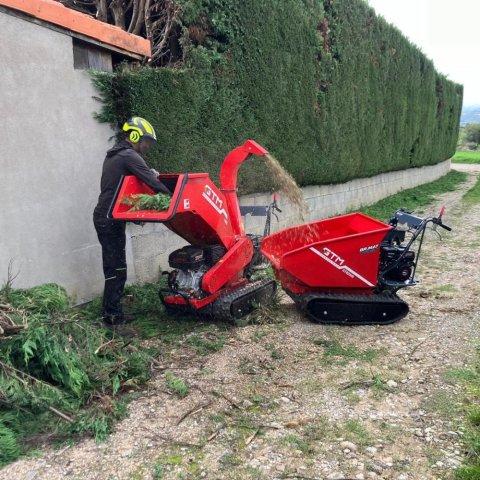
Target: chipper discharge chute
211,275
347,269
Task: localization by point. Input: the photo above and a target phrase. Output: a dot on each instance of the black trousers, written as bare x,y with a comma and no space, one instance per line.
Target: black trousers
111,236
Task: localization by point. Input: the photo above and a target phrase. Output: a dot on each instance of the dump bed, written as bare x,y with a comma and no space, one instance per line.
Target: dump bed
337,253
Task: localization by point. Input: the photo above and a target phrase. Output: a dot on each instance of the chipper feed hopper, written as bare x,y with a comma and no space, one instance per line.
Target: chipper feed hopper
344,270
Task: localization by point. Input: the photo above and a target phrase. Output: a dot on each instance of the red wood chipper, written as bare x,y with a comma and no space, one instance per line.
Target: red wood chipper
343,270
212,275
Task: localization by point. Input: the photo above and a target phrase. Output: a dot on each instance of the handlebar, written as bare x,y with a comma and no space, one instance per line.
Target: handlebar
273,206
415,223
438,221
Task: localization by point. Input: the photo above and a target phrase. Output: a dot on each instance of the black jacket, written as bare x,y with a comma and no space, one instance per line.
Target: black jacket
122,159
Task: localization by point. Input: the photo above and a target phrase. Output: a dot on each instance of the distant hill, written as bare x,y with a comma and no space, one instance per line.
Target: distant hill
470,114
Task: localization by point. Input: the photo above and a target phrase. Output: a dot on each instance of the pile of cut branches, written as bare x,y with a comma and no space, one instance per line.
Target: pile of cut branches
59,372
144,201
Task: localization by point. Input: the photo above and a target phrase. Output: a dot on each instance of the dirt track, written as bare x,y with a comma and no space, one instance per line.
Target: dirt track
298,400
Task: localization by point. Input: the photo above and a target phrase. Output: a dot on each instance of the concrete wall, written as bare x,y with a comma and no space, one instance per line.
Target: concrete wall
51,155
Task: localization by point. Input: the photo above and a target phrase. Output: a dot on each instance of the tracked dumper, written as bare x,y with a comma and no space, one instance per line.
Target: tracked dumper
347,270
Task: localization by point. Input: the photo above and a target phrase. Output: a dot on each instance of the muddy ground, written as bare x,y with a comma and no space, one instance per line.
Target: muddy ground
298,400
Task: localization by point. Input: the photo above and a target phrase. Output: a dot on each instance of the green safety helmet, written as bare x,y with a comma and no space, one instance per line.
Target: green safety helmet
139,128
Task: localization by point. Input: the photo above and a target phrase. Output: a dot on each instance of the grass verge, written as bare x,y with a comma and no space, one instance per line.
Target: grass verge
471,406
413,198
466,157
472,196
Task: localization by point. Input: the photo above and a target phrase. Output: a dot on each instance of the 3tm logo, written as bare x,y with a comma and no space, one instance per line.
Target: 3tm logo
338,262
333,256
215,201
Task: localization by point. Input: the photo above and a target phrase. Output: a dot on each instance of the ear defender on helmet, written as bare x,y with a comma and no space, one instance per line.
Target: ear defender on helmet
138,128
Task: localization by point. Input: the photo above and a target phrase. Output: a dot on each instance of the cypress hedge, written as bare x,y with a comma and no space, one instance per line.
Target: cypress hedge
331,89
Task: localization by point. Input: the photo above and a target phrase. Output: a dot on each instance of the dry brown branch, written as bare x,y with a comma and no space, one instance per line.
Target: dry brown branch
273,427
158,364
161,29
192,411
156,435
102,10
216,433
61,414
414,349
358,384
138,17
7,286
103,345
8,329
118,9
230,401
249,440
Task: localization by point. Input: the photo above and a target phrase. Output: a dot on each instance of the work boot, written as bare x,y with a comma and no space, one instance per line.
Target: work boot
117,325
123,331
110,320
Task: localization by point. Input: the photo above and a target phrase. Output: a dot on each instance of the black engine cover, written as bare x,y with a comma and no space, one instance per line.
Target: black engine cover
187,258
392,267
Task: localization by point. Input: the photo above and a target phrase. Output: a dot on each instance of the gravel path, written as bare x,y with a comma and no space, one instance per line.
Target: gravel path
298,400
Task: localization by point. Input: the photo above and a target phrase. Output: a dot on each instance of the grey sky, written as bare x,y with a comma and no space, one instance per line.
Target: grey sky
447,32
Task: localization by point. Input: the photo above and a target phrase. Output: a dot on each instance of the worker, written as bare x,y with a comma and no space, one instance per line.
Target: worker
123,159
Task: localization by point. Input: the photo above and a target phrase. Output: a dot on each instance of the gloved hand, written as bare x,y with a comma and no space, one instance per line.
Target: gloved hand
154,172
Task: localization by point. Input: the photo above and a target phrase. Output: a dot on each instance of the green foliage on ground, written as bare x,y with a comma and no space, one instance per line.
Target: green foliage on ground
176,385
414,198
466,157
62,372
472,196
332,90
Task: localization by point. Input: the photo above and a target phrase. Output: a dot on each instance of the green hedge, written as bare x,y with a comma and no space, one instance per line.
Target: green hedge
332,90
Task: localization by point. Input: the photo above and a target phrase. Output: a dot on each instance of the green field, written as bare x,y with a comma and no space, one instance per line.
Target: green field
466,157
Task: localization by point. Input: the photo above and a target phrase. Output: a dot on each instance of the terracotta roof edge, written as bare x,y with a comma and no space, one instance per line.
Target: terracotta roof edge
57,14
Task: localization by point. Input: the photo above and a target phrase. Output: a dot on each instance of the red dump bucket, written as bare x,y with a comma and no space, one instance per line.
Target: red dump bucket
337,253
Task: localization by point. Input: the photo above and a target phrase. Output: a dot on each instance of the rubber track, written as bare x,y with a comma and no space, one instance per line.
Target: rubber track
221,308
356,301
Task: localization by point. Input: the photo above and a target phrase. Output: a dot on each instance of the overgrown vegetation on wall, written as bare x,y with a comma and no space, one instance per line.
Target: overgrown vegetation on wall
332,90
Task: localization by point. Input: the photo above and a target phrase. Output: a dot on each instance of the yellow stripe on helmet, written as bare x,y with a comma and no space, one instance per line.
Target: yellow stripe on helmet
148,128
